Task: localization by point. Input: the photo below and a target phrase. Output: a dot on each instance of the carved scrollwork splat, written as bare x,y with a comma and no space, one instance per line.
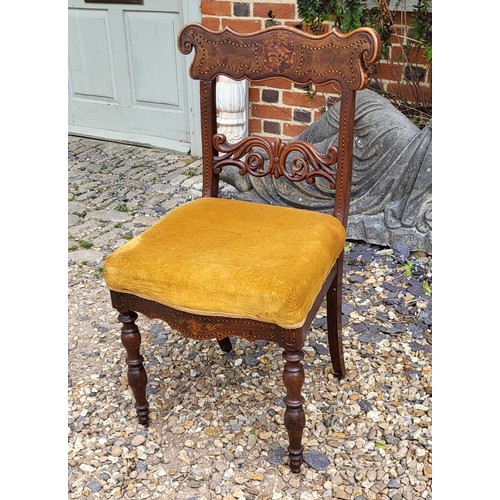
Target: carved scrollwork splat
307,165
281,51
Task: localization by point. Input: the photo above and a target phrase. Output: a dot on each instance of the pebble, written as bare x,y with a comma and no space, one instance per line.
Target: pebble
252,440
138,440
198,472
217,419
116,451
94,486
277,455
317,459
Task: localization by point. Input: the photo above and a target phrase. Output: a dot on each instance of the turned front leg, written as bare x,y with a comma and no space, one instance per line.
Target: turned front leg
295,419
137,378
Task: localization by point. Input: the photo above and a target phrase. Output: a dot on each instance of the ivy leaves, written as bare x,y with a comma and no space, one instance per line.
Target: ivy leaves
351,19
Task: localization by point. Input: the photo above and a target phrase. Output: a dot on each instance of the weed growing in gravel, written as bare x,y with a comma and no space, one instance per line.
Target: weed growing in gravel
118,225
122,208
190,173
85,244
407,268
98,272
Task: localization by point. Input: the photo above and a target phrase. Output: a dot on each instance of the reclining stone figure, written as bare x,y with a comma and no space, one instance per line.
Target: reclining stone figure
392,176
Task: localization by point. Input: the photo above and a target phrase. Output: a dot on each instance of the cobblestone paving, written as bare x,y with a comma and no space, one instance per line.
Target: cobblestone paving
217,419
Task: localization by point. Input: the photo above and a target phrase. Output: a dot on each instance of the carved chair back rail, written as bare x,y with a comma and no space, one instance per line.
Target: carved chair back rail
317,240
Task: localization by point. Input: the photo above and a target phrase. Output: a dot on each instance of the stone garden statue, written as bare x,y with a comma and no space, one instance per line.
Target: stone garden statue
391,190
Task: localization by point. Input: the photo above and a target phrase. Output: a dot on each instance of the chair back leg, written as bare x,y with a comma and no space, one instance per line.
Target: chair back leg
334,320
225,344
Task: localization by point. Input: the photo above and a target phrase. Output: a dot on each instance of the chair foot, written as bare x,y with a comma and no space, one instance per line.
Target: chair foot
295,420
334,320
225,344
136,375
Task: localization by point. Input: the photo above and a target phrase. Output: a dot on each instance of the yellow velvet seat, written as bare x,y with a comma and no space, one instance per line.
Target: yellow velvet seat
231,258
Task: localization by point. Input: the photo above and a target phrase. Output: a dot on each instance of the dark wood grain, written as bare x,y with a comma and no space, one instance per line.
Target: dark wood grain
281,51
334,321
306,165
137,378
208,130
295,418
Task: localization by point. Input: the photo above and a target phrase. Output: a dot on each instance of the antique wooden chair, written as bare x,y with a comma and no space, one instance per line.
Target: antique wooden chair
215,268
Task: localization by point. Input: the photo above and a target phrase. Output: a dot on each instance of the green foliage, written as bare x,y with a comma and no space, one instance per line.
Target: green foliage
381,19
315,12
426,287
421,30
190,173
428,53
347,248
122,208
407,268
351,18
382,446
85,244
98,272
347,15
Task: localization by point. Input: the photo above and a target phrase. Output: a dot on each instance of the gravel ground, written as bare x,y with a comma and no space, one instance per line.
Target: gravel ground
217,419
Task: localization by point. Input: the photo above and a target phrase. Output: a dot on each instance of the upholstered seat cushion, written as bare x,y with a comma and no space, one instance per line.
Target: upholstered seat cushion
231,258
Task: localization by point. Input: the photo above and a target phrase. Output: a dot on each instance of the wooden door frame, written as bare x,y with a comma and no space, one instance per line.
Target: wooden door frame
193,12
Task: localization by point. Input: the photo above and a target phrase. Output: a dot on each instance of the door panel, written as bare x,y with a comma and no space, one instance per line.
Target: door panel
126,76
90,56
152,44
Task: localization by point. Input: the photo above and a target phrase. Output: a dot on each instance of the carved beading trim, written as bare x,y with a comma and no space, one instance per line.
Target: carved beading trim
309,165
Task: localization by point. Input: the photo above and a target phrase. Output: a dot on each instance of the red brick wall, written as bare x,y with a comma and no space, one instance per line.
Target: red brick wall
278,107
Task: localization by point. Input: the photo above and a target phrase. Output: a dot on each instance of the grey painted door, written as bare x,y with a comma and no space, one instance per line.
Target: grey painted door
127,80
